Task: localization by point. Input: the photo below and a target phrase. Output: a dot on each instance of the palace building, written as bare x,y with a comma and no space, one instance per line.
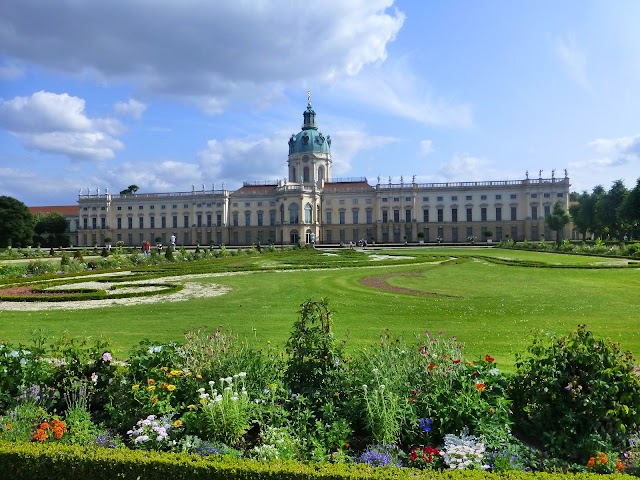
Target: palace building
310,206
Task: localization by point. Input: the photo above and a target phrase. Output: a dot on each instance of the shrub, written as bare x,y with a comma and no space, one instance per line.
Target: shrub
577,394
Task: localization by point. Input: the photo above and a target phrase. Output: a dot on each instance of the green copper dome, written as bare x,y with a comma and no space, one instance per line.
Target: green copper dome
310,139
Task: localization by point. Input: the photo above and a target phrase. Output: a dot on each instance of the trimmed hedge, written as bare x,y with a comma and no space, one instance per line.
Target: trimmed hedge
26,461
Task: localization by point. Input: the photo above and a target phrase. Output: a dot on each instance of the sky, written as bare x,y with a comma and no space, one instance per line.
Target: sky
173,95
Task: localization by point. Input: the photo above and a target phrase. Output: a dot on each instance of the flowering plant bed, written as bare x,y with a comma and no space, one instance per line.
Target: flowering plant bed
409,405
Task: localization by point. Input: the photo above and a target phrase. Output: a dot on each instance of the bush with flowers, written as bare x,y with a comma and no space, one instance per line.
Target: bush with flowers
425,405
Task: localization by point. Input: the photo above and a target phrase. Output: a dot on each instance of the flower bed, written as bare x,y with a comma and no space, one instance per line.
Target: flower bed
573,403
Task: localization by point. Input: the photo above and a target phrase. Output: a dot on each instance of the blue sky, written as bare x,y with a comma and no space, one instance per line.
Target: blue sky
166,95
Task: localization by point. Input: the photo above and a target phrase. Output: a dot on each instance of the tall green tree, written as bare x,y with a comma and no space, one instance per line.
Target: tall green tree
557,220
629,212
16,223
607,210
50,230
583,213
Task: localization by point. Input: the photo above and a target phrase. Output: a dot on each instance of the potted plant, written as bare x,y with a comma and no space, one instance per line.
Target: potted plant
107,243
421,237
488,234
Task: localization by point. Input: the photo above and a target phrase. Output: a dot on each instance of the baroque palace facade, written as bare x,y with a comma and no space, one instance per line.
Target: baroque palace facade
312,207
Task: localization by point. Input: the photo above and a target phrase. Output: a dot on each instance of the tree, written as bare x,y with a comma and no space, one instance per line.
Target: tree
130,190
50,230
607,208
16,223
629,211
583,213
557,220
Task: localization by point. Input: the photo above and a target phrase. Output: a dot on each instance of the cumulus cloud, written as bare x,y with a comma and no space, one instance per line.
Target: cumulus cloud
11,71
164,175
395,89
233,160
464,167
57,123
622,149
426,147
131,107
573,59
349,143
201,50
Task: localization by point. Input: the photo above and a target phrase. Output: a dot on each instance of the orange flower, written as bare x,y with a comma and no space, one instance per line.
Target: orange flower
40,435
165,384
591,463
9,426
457,360
619,466
480,386
411,399
154,399
431,366
489,358
151,381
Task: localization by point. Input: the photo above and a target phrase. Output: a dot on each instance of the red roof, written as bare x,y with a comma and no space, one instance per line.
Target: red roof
65,210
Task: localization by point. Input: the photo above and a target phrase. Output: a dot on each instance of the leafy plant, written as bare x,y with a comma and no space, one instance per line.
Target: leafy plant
577,394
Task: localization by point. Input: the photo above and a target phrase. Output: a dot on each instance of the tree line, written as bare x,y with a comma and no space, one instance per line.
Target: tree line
19,227
608,215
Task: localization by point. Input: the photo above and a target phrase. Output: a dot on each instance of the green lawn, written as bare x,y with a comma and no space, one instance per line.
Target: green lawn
492,308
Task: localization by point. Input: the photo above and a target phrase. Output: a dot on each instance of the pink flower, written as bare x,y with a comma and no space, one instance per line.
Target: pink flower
106,357
94,377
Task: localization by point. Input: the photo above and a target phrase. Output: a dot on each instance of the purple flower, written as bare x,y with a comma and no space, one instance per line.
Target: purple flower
568,388
106,357
425,424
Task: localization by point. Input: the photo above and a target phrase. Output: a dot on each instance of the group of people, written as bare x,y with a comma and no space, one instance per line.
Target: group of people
146,246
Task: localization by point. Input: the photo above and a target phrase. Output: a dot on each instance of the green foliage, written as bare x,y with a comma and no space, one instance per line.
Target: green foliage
577,394
315,367
16,223
226,412
557,220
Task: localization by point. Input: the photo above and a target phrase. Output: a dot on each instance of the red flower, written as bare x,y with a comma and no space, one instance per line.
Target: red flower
480,386
431,366
489,358
457,360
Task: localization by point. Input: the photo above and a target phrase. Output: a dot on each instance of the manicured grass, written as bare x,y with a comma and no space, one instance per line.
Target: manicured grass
492,308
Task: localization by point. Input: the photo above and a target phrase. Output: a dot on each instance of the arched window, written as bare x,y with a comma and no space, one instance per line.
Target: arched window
307,213
320,173
293,213
305,174
293,174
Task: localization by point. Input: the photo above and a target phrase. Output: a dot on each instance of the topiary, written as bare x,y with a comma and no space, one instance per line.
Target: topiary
576,394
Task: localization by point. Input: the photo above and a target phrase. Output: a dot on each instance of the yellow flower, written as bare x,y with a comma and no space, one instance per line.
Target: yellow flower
192,407
198,376
135,387
188,374
151,388
171,388
164,369
175,373
177,423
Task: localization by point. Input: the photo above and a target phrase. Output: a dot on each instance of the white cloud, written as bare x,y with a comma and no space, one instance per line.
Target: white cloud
11,71
131,107
351,143
200,50
426,147
163,175
573,59
395,89
57,123
618,151
234,160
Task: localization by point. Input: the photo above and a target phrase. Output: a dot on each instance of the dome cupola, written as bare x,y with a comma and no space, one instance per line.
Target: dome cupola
309,139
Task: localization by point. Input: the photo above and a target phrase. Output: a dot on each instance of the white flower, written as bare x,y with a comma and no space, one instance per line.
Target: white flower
94,377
